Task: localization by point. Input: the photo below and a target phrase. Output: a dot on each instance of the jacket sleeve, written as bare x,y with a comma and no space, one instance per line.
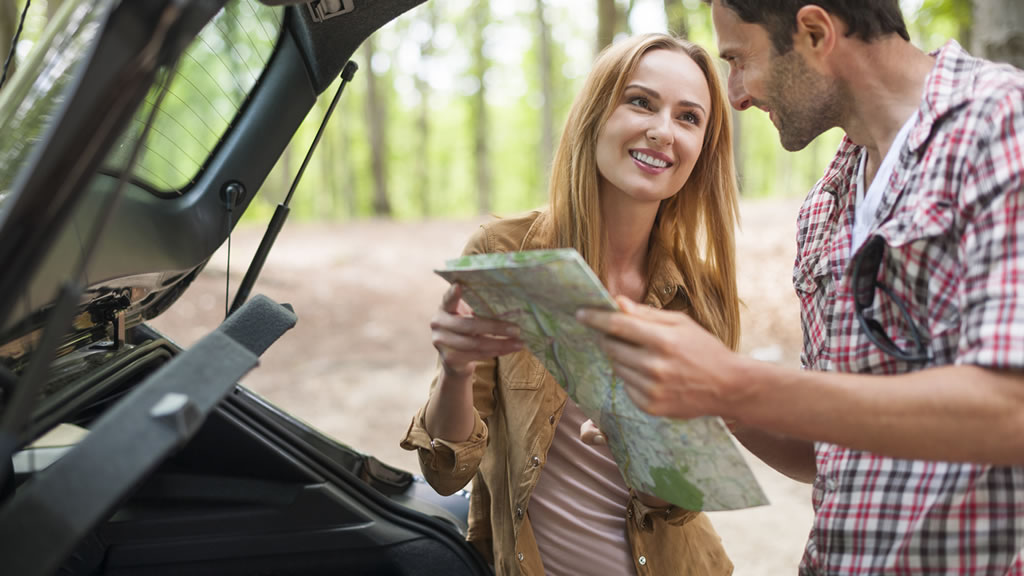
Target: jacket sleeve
449,466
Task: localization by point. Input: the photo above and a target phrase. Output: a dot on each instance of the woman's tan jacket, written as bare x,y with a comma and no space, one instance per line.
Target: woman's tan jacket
518,406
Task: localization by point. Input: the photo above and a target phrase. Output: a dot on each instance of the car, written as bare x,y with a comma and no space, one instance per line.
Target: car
135,135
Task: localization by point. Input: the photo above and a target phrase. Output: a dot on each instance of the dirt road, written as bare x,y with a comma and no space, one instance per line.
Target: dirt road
358,364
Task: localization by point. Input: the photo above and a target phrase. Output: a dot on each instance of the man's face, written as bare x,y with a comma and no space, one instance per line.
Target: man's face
800,102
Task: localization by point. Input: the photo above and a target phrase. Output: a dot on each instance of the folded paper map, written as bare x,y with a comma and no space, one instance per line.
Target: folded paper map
693,464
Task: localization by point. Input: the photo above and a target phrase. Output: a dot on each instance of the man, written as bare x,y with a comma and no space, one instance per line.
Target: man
910,274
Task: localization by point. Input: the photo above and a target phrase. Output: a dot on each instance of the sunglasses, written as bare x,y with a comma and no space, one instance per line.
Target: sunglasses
865,283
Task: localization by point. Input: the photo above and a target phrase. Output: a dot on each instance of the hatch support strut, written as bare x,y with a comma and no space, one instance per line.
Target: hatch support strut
281,213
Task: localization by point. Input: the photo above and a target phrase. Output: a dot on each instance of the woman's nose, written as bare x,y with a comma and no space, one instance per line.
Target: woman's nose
660,130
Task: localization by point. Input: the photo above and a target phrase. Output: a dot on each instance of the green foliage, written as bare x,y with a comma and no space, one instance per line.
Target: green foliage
939,20
338,184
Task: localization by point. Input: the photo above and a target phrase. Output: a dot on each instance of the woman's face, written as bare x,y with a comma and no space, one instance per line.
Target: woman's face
650,143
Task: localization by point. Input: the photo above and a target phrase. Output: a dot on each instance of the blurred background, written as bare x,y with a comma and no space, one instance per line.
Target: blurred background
453,117
458,104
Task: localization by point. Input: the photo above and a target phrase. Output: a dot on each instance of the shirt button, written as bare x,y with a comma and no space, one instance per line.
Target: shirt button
519,512
831,484
520,556
535,461
642,560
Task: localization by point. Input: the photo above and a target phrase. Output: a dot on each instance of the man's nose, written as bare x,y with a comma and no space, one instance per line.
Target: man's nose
738,96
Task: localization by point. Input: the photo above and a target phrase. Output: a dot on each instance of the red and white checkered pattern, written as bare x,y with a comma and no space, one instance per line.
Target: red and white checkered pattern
953,218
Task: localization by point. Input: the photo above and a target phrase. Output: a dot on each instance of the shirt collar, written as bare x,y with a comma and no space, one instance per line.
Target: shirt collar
948,86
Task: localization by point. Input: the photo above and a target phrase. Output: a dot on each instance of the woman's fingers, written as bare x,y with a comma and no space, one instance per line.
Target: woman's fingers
591,435
476,347
452,297
474,326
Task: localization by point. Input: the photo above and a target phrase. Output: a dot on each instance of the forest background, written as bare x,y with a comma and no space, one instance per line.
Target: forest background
458,104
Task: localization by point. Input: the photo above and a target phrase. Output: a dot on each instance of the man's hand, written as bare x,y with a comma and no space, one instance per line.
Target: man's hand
671,366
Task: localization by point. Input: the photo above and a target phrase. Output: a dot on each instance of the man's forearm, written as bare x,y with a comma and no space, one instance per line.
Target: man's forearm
955,413
788,456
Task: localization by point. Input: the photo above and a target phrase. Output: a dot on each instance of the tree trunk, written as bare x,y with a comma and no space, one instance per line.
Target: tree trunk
323,197
344,168
675,17
998,31
9,15
622,20
423,121
547,137
607,14
481,128
376,111
52,6
737,147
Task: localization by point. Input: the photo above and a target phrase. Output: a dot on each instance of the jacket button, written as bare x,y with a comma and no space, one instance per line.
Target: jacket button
520,556
535,461
642,560
519,512
629,513
551,419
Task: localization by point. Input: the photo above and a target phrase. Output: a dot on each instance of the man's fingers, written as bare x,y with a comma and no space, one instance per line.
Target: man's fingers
617,324
660,316
624,353
639,326
635,381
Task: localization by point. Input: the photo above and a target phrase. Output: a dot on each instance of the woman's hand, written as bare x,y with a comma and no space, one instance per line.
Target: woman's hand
462,339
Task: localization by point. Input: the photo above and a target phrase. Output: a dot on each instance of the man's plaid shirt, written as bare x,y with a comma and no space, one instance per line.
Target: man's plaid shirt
953,219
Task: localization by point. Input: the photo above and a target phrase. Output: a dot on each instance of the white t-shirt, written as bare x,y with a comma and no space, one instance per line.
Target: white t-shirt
866,206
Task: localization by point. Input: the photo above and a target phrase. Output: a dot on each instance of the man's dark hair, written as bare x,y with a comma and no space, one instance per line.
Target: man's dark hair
866,19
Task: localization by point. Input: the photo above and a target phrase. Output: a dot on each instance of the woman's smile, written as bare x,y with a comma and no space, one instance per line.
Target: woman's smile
651,161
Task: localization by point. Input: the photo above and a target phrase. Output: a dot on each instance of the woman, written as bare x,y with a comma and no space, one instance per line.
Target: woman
643,186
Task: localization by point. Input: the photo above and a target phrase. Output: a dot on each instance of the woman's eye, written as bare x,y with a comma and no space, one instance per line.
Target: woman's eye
641,102
690,117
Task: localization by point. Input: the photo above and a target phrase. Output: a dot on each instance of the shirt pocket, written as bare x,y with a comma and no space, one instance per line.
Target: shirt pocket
812,278
521,371
921,271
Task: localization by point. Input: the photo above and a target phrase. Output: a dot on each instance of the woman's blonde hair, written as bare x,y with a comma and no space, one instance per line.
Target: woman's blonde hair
695,225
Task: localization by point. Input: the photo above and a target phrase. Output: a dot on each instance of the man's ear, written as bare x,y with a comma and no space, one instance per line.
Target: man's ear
817,32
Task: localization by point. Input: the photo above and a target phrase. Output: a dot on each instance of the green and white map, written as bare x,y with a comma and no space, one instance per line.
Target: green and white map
690,463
